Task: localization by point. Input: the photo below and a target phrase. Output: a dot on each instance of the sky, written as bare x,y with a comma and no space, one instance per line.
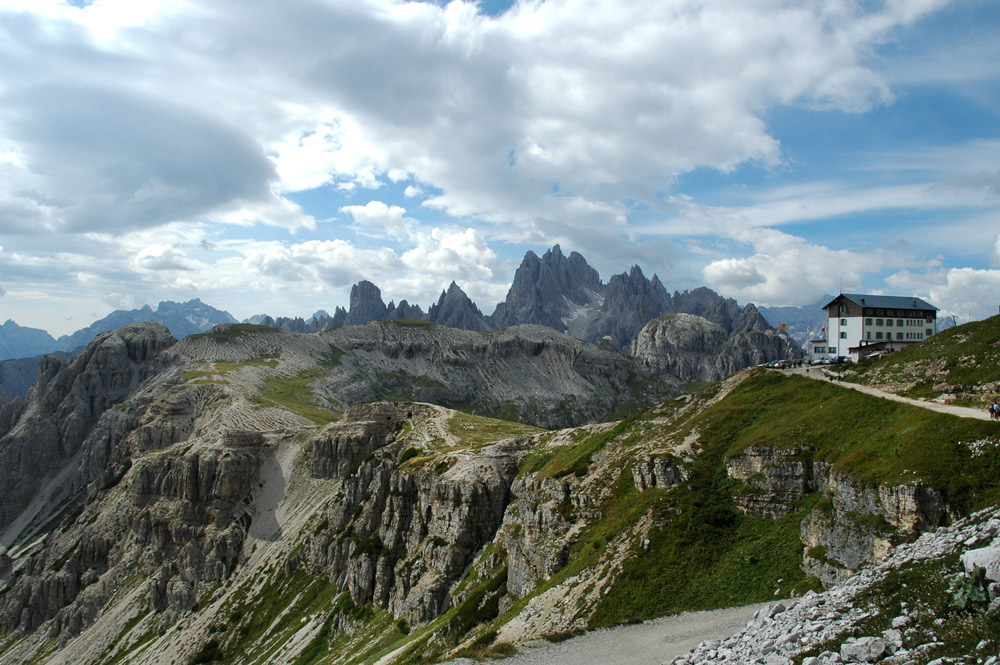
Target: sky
266,156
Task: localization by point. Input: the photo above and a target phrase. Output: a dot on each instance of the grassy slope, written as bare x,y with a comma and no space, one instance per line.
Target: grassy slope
875,440
684,566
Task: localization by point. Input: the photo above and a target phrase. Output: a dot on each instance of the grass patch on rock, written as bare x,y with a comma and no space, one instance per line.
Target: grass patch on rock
875,440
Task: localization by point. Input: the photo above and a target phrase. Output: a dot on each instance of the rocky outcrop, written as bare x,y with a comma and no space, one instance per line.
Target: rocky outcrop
693,348
456,310
398,535
366,304
549,291
66,403
527,373
852,526
858,525
773,478
661,472
534,532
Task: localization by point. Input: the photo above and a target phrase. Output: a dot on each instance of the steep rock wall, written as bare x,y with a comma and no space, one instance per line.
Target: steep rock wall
66,403
852,525
399,535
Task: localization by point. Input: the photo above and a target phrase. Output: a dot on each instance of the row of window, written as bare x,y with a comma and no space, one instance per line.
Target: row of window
888,322
888,335
899,335
886,312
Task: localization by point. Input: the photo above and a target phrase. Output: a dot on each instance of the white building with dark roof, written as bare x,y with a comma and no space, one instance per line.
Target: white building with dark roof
860,325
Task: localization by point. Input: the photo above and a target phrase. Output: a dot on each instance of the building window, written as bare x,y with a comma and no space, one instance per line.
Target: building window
869,334
868,322
843,309
899,335
929,332
843,322
888,322
899,322
843,335
878,335
878,322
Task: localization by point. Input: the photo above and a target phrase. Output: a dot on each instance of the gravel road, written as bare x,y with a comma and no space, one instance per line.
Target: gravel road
820,375
650,643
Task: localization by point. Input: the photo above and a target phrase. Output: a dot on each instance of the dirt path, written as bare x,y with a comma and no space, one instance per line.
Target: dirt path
649,643
823,375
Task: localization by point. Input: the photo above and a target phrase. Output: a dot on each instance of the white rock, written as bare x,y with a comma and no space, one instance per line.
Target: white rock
984,557
863,650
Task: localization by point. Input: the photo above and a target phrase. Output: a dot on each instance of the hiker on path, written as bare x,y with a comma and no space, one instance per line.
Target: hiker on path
996,411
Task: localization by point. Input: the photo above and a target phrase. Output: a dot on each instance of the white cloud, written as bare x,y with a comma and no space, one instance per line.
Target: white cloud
958,292
378,218
608,101
161,257
787,269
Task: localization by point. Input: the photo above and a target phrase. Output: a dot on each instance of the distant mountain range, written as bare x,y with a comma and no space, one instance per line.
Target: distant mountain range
802,323
559,291
182,319
562,292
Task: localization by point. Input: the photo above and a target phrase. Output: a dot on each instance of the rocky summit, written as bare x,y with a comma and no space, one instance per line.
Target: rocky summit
404,492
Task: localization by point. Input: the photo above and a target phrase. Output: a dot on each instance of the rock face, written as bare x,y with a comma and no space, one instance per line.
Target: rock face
525,373
693,348
67,402
455,310
853,527
399,537
366,304
549,291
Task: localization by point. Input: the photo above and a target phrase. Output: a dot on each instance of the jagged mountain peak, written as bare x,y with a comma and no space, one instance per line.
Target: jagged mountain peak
455,309
366,304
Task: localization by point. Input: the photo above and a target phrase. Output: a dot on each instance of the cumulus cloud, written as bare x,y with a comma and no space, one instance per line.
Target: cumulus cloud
376,217
609,101
161,257
787,269
958,292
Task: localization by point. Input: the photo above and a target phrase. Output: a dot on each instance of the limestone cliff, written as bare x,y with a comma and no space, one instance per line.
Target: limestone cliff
693,348
66,403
